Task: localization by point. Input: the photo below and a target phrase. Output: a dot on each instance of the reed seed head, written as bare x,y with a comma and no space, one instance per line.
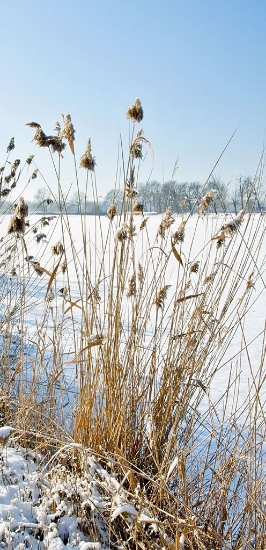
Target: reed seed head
250,283
11,145
232,225
87,160
179,234
111,212
64,266
15,165
130,193
206,201
122,233
29,159
161,296
56,144
143,223
135,112
69,132
166,222
136,147
194,268
57,249
137,208
34,174
16,225
132,288
40,137
140,273
33,125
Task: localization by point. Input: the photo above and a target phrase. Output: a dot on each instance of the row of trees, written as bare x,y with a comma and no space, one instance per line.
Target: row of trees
184,196
156,197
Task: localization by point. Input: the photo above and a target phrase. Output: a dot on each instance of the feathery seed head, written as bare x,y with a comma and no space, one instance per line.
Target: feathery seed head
34,174
143,223
122,233
207,200
194,268
137,208
69,132
57,249
161,296
232,225
87,160
132,286
11,145
136,147
40,137
33,125
166,222
140,273
64,266
135,112
29,159
111,212
179,234
16,225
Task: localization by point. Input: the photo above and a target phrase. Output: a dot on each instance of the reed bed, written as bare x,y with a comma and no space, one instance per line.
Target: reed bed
114,342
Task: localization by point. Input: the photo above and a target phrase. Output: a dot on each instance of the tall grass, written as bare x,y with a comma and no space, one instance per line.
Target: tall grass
116,340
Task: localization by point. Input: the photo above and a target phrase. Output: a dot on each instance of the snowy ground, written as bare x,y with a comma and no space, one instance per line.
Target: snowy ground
52,507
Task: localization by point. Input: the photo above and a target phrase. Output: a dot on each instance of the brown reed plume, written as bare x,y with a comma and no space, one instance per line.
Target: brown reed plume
135,112
87,161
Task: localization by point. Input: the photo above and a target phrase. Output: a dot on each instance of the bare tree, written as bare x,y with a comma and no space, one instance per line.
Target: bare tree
43,199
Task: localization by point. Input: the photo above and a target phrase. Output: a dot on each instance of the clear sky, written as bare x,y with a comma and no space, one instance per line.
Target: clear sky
198,67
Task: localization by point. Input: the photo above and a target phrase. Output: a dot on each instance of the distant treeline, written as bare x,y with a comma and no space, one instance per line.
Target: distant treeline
181,197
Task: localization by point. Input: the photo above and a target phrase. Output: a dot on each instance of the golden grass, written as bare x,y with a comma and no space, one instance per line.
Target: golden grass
146,347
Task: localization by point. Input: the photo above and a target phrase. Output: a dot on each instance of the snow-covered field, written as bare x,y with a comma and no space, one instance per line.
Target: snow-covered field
243,353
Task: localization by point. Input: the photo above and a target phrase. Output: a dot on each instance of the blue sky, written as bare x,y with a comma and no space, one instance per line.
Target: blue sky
198,67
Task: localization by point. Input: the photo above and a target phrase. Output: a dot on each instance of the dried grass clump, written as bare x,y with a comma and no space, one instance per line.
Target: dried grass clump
87,160
176,466
206,201
135,112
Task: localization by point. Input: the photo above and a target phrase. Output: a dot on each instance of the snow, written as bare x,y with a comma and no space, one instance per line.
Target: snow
5,432
37,504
